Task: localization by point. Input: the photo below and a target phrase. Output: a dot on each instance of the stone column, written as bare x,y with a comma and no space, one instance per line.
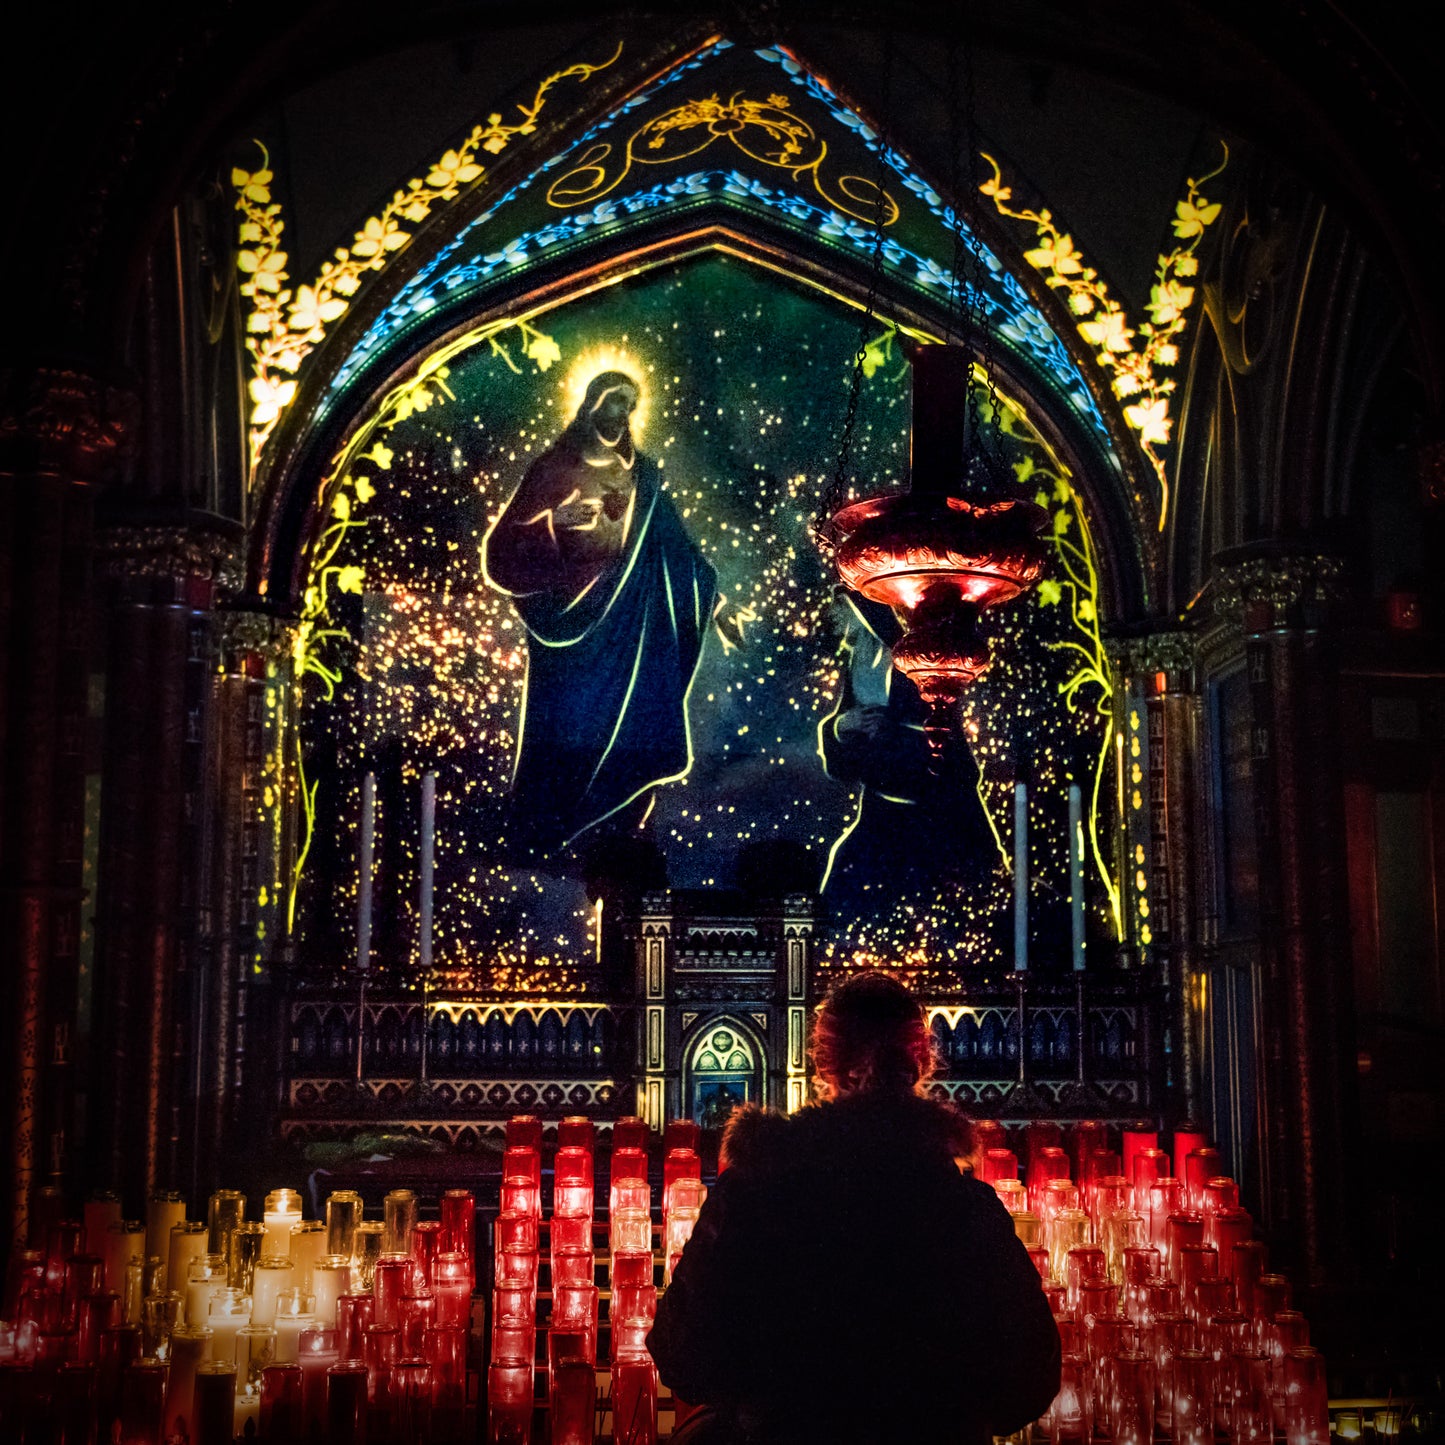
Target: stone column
252,817
161,586
61,431
1287,607
1159,726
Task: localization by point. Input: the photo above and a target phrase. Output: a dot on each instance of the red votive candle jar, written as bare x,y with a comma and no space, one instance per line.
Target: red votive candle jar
632,1268
1165,1337
576,1131
459,1223
213,1414
629,1133
1165,1196
681,1165
1106,1335
1306,1407
634,1400
1109,1194
571,1232
1084,1264
509,1403
1140,1268
1071,1335
119,1348
1224,1229
1069,1419
577,1305
1049,1163
390,1284
1193,1261
1219,1193
282,1396
988,1134
1200,1166
84,1275
1183,1227
1187,1138
573,1165
516,1232
514,1337
64,1239
1271,1294
1244,1263
1227,1332
1133,1138
426,1244
518,1300
1132,1398
418,1315
1087,1136
524,1131
346,1403
316,1351
574,1402
628,1164
382,1349
94,1313
143,1403
997,1163
519,1196
1040,1257
446,1353
73,1405
354,1314
1214,1296
452,1286
1161,1297
1191,1405
573,1266
1251,1413
523,1162
411,1387
1143,1168
1057,1296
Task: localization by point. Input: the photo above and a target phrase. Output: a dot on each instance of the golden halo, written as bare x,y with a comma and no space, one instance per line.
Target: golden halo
601,357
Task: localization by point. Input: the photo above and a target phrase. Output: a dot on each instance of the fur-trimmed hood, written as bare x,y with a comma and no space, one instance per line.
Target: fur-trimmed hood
893,1122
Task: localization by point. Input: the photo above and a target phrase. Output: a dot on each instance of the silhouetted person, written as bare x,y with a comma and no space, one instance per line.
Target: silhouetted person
846,1283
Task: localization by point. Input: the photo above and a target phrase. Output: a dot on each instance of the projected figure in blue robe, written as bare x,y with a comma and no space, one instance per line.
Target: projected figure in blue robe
615,598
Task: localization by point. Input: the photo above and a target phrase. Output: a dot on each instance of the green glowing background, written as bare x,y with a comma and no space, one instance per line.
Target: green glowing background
746,382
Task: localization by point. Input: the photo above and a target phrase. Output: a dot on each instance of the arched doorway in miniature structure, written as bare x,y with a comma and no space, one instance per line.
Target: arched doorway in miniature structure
724,1070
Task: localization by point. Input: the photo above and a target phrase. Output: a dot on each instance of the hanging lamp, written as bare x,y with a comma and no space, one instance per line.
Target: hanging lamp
962,538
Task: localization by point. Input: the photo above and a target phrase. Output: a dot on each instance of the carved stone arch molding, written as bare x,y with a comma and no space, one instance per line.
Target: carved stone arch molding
759,160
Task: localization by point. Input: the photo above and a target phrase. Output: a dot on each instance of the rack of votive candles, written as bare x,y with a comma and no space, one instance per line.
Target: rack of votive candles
576,1275
211,1330
1171,1324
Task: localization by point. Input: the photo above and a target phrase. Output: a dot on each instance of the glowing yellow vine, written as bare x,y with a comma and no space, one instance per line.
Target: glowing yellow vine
1132,355
1077,583
345,488
284,326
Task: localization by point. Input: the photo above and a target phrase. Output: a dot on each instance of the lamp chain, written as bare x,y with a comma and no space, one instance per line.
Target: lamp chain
836,493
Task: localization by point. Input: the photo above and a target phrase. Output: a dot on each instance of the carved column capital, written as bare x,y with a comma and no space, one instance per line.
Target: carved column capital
1167,649
1276,590
63,419
247,638
173,564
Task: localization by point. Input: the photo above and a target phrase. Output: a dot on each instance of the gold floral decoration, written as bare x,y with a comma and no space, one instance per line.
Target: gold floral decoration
1133,355
285,324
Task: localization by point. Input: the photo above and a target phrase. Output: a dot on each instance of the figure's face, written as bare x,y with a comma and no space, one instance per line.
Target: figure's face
615,411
